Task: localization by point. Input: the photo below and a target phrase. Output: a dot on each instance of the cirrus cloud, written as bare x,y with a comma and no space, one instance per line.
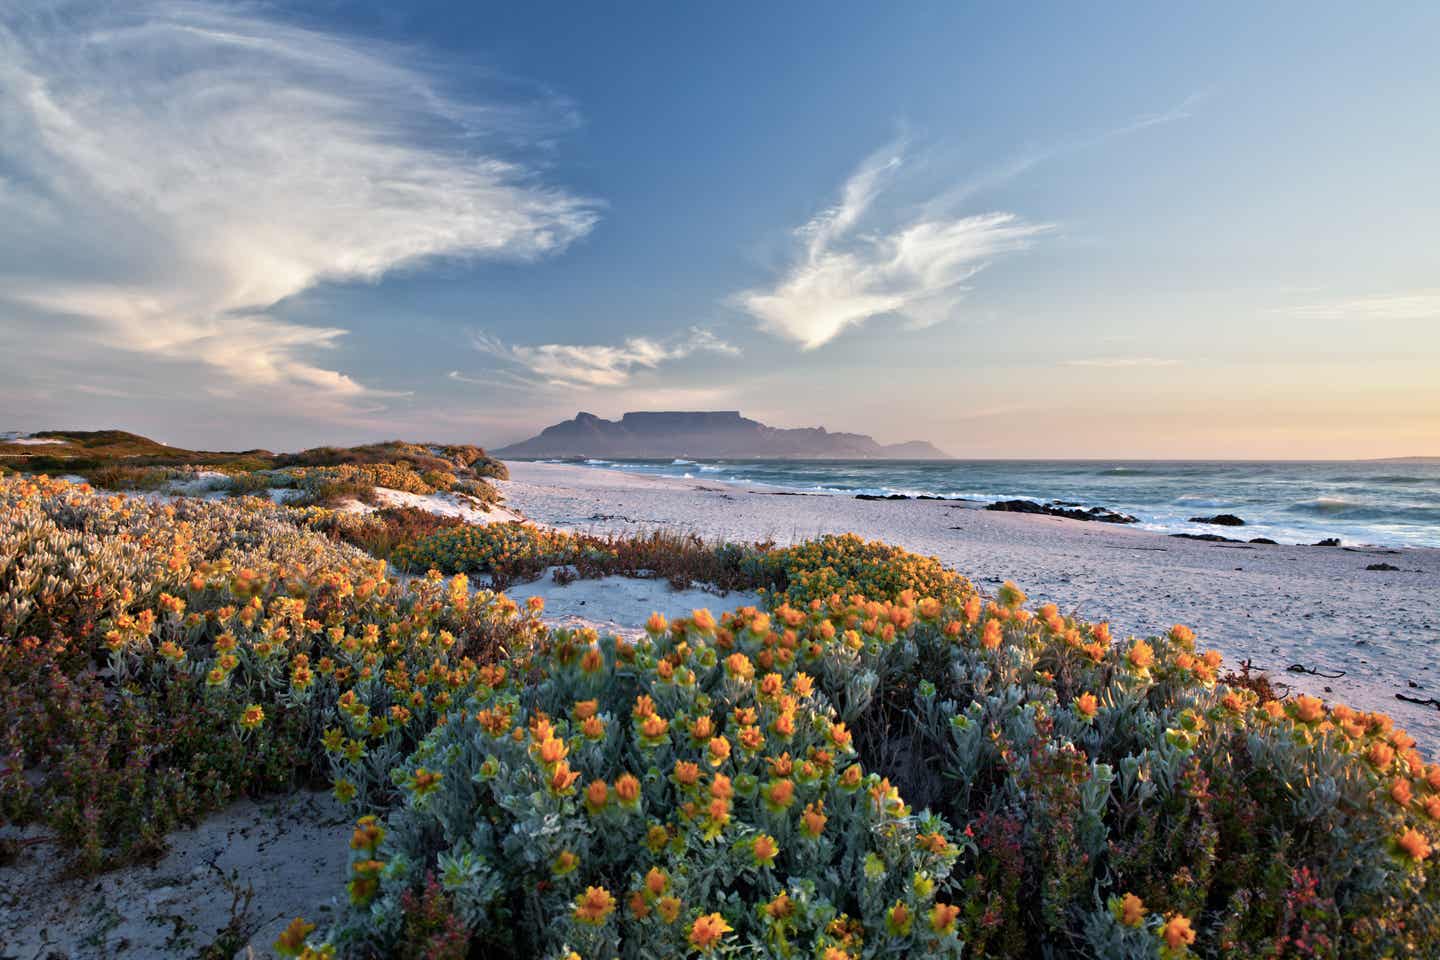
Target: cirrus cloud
842,277
171,172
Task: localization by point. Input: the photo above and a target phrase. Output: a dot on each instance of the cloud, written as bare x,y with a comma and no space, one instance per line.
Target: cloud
170,172
596,365
1383,307
1121,362
841,277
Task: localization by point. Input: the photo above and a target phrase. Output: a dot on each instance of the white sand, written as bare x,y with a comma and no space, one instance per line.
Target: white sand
447,505
1277,606
621,605
291,851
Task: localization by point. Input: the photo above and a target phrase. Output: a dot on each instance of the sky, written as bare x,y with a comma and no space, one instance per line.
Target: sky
1034,230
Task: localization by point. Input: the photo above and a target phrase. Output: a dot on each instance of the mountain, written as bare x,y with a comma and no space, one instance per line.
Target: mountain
707,434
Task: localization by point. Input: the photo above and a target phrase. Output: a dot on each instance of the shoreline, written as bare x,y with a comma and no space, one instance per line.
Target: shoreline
1274,605
1303,510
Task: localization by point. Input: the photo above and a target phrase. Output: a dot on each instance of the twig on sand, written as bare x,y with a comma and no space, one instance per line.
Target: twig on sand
1427,702
1301,668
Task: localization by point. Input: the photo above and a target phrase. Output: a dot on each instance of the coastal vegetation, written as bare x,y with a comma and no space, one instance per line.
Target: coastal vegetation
878,760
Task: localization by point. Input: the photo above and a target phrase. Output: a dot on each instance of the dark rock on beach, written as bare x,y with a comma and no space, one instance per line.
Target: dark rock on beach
876,496
1101,514
1266,540
1328,542
1389,567
1220,520
1207,537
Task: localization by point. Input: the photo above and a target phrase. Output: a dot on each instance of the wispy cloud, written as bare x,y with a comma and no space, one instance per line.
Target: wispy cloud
176,170
1119,362
596,365
842,277
1381,307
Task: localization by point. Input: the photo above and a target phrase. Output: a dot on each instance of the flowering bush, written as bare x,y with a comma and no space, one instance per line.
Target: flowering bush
157,660
846,564
665,796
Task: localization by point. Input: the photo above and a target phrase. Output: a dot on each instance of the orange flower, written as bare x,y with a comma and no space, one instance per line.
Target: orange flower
1177,932
424,782
1432,807
597,795
779,794
1309,709
657,881
1140,655
553,751
1400,792
252,717
654,727
562,779
292,940
656,624
942,917
594,906
687,774
763,850
932,842
898,920
1087,705
703,620
1132,910
813,820
627,788
719,750
1414,845
990,636
707,930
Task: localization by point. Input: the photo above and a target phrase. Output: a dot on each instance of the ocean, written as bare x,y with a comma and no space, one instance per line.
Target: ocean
1379,502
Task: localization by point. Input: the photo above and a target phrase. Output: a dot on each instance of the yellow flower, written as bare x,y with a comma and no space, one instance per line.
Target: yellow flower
594,906
707,930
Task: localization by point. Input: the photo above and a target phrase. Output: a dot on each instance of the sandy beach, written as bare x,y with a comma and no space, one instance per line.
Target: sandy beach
1274,605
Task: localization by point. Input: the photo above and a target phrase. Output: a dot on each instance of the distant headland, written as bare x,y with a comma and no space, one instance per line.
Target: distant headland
715,433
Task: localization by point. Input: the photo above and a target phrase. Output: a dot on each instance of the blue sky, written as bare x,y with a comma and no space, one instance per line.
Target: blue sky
1015,231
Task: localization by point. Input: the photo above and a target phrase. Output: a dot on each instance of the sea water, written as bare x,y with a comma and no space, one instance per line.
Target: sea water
1382,502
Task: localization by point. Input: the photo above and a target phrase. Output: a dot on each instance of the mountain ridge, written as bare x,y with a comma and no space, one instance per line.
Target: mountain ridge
706,433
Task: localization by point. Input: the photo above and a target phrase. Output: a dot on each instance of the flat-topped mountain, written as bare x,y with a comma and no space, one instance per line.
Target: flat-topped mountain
708,434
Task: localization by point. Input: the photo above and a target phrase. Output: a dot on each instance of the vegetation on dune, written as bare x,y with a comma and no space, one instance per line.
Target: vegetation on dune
881,762
118,460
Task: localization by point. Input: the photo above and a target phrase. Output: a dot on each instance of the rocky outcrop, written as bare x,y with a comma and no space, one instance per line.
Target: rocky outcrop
706,434
1100,514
